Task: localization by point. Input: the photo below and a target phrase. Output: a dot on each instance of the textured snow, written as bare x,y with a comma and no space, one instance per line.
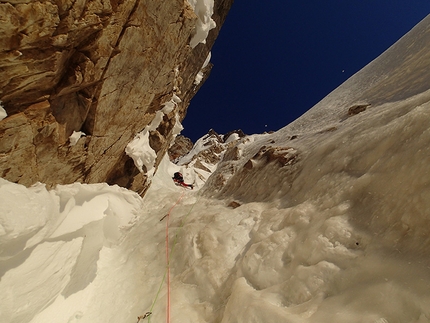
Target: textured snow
51,241
16,226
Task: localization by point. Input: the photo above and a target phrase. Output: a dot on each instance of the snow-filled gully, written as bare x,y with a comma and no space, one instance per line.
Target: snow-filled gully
339,235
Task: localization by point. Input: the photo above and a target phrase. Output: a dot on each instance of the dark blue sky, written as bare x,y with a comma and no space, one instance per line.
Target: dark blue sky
274,60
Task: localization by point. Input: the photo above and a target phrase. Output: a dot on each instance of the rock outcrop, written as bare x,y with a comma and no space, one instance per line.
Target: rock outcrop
181,146
100,70
208,153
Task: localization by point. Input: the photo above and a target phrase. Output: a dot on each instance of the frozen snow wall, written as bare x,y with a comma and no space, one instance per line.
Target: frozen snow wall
346,233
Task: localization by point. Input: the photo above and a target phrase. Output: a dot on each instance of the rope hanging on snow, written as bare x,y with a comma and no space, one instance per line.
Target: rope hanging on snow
168,257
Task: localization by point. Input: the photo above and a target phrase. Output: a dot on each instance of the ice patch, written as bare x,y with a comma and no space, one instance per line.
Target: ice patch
232,137
200,74
177,128
74,137
3,113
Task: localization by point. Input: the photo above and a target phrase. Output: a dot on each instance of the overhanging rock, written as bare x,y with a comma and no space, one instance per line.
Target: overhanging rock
101,70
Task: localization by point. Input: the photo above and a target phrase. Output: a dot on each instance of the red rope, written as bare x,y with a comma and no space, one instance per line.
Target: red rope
168,270
168,258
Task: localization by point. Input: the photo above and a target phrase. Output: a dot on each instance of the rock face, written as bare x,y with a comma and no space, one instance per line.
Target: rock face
181,146
103,68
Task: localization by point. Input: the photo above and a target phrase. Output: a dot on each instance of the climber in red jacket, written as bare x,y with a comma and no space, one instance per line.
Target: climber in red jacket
179,180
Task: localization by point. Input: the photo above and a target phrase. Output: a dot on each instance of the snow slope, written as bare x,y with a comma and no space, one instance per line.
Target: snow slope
332,224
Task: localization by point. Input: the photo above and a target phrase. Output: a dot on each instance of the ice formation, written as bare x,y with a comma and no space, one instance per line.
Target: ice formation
204,11
74,137
142,153
140,150
200,74
3,113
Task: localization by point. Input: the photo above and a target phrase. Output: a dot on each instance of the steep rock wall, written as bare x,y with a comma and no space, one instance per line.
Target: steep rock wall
101,67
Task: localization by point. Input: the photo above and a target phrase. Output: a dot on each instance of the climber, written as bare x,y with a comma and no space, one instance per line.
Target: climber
179,180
